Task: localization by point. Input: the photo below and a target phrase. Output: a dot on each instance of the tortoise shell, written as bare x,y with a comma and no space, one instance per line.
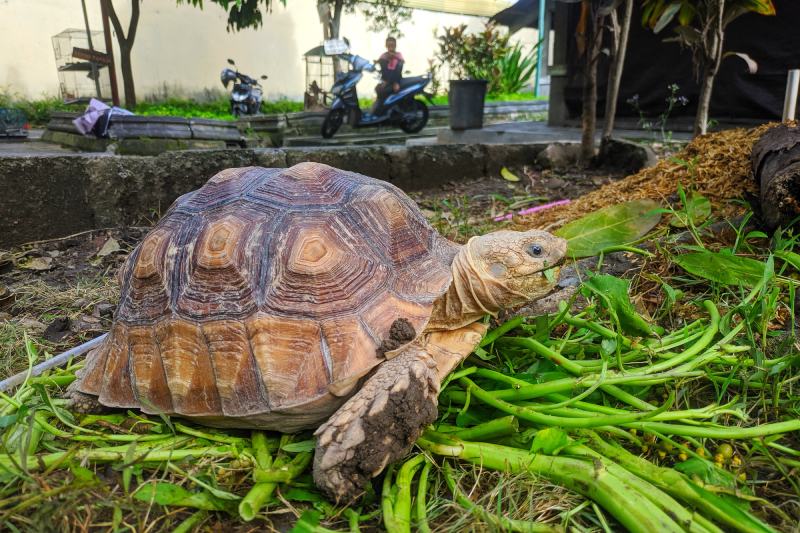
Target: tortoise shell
262,293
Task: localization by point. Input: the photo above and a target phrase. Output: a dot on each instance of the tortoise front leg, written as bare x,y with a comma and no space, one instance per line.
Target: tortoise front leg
378,425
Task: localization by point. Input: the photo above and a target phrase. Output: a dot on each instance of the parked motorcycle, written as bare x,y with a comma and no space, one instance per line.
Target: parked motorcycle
247,92
401,109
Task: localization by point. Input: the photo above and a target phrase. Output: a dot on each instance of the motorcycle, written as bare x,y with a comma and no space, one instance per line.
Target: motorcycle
247,92
401,109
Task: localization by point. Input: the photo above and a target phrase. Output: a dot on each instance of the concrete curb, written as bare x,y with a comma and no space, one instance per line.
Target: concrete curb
44,197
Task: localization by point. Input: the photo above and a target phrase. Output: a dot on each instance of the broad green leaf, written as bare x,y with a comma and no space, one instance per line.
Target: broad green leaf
164,493
696,210
550,441
613,295
722,268
301,446
789,257
611,226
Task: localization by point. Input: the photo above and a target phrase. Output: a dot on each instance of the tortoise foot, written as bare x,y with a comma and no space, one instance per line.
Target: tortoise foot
87,404
377,426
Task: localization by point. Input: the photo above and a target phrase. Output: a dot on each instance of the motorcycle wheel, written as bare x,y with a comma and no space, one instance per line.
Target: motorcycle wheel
332,123
415,117
236,110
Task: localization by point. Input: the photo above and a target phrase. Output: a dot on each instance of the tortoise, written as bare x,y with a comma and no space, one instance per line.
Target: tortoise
301,298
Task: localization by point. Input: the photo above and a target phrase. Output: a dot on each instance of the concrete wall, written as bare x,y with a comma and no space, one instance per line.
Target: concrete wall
180,49
53,196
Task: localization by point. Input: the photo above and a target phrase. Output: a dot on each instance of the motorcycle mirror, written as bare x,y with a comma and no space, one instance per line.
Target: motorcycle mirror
230,61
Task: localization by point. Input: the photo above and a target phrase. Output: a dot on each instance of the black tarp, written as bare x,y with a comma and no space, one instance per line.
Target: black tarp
651,65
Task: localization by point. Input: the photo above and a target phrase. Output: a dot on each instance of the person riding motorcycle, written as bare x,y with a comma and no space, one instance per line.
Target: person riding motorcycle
391,64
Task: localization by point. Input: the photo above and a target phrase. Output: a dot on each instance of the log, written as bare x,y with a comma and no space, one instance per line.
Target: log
775,162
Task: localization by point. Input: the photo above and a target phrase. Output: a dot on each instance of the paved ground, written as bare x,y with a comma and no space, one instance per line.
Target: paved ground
30,146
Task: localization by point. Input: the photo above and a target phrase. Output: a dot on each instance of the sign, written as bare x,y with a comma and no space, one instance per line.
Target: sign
91,55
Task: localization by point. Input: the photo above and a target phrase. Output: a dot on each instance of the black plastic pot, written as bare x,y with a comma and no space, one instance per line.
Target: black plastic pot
466,104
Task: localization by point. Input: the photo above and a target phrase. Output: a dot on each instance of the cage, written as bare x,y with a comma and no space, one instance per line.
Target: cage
319,78
82,66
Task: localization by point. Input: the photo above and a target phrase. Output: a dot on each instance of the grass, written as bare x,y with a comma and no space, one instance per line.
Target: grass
548,425
214,106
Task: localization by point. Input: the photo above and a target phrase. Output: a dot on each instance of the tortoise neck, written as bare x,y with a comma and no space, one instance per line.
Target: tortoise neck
471,294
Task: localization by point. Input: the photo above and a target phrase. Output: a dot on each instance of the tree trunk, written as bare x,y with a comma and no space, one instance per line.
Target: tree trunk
125,47
127,76
704,102
589,118
775,160
711,60
615,76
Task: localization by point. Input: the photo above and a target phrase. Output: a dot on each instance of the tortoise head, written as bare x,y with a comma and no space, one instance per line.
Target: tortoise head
516,266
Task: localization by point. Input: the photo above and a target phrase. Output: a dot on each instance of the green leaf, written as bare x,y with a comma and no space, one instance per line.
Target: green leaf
308,522
164,493
666,16
301,446
696,210
789,257
613,295
508,175
706,471
723,268
82,473
550,441
611,226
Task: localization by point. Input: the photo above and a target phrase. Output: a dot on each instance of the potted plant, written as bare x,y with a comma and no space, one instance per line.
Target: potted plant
474,60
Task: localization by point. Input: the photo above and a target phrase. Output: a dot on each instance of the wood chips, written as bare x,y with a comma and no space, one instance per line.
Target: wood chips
717,165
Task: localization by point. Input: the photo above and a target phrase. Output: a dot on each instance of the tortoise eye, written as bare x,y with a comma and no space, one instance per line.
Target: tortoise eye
534,250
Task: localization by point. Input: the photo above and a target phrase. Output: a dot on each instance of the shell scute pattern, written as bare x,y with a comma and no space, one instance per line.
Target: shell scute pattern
264,291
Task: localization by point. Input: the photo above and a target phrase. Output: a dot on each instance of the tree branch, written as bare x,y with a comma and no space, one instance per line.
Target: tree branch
134,22
115,21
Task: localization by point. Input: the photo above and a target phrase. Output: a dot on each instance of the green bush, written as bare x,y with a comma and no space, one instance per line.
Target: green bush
485,55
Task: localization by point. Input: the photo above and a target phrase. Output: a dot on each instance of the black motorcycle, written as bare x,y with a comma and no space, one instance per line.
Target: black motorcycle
401,109
247,92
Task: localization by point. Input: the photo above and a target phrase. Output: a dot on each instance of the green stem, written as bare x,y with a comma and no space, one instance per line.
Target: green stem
421,503
633,510
548,420
501,330
402,499
494,429
679,486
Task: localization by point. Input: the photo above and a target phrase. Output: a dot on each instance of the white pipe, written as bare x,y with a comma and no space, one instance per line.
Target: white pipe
53,362
790,101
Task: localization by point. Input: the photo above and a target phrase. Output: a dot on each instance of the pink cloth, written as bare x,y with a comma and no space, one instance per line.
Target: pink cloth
392,59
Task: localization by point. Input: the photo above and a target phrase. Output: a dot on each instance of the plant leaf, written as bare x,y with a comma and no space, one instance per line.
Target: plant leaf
666,16
722,268
613,295
550,441
508,175
752,66
789,257
697,209
301,446
611,226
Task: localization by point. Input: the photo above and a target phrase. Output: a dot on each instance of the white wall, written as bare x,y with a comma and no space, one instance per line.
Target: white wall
185,48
